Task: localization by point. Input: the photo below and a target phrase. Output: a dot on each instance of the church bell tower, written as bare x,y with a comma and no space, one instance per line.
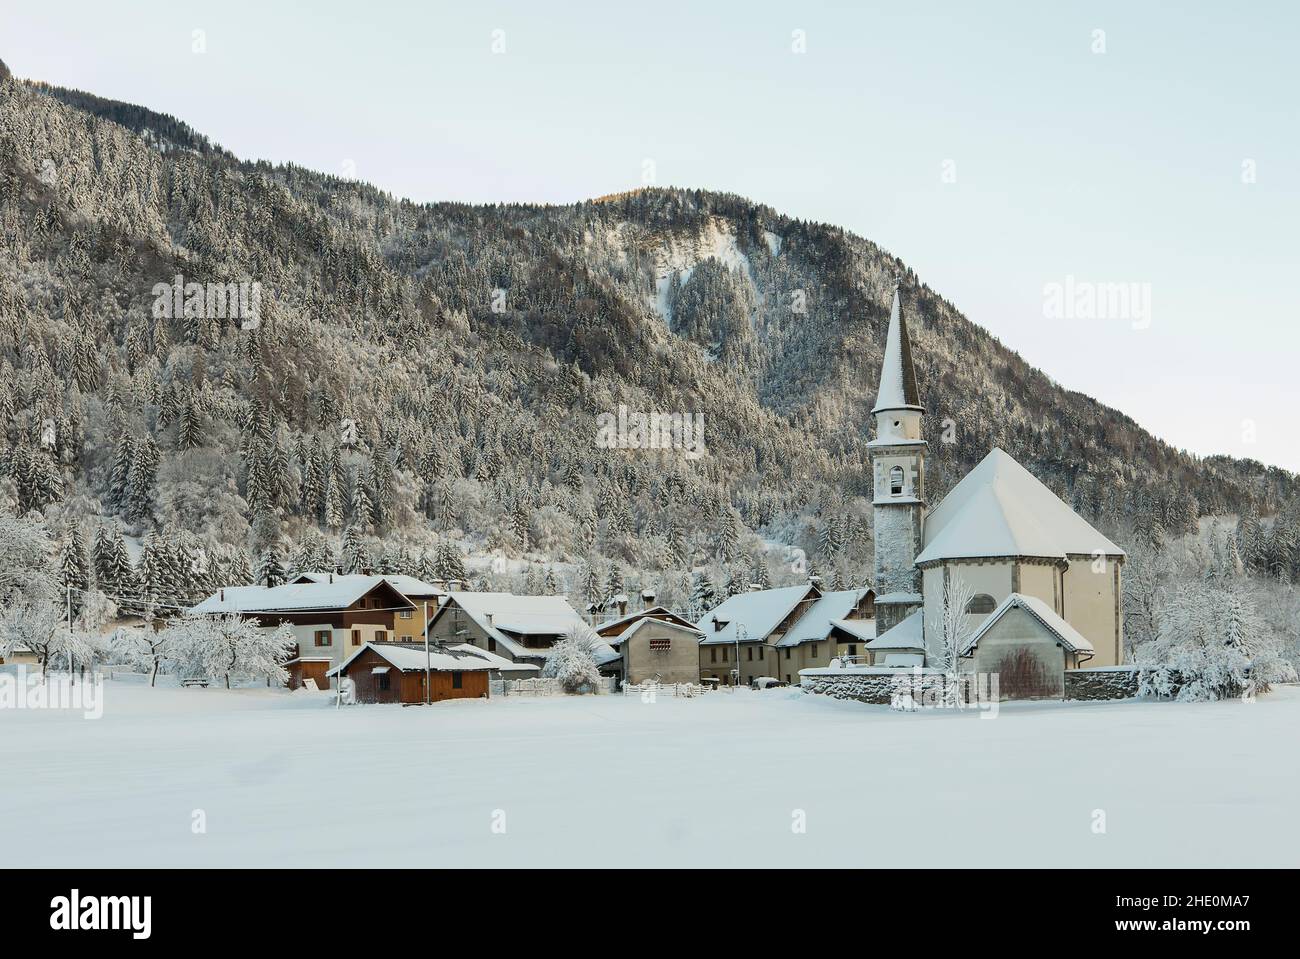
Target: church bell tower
898,468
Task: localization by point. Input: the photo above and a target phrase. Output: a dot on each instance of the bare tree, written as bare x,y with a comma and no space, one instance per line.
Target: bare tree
955,630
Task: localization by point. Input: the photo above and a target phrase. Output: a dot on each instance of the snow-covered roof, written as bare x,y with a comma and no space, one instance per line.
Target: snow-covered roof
410,657
406,585
906,634
758,612
1068,636
1001,509
632,630
654,612
864,629
505,615
886,599
815,624
897,374
340,594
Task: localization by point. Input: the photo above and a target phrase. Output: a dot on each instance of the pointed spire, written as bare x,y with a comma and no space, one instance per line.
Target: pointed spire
897,375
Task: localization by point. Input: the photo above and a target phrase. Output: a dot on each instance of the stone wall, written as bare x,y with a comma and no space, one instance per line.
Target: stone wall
867,687
1110,683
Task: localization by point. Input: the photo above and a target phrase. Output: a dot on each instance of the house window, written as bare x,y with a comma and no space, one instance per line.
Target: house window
760,653
787,652
492,645
814,650
750,653
713,655
983,603
853,649
383,681
896,481
406,614
324,637
457,680
356,637
726,654
380,636
661,644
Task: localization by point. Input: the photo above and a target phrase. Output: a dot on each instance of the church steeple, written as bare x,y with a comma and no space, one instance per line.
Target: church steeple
897,374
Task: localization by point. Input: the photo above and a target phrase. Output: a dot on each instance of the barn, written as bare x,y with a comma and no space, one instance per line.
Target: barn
395,672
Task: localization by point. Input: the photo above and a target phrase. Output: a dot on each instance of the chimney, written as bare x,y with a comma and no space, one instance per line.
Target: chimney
814,580
221,596
755,587
331,576
647,598
489,619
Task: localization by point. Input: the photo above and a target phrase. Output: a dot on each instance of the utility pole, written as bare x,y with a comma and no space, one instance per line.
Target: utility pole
72,678
740,629
428,693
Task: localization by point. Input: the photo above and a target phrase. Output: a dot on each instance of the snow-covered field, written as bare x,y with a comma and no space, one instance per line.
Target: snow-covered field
284,779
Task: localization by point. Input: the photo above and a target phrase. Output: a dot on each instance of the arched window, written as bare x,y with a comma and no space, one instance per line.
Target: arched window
983,603
896,481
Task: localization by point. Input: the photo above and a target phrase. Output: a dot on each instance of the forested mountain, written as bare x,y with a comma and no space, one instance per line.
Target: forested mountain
429,377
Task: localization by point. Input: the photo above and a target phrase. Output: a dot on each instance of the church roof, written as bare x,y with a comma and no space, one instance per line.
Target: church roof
1067,635
1001,509
897,375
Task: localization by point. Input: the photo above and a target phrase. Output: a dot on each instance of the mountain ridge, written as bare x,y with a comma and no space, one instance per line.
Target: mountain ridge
472,346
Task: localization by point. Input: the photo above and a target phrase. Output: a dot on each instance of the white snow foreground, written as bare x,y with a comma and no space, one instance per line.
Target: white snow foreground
724,779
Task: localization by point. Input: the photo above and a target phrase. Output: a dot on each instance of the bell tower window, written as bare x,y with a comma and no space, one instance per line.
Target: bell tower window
896,481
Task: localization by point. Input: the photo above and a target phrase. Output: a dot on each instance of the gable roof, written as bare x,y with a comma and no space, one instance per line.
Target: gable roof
1001,509
299,597
410,658
407,585
897,389
628,633
863,629
815,624
759,612
662,613
1067,635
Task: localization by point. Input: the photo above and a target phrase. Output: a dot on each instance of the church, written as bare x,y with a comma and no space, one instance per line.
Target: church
1044,586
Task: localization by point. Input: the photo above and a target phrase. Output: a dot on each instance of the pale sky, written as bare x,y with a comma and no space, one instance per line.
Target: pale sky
992,146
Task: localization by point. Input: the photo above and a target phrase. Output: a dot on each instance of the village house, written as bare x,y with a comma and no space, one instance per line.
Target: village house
330,619
521,629
396,672
408,624
654,645
777,632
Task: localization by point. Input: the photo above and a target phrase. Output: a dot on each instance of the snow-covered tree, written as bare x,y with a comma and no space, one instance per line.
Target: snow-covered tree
572,660
954,630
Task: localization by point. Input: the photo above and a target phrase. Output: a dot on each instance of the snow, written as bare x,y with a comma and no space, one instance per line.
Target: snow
758,612
679,254
690,631
773,242
462,657
1070,637
907,634
531,615
406,585
286,780
341,593
897,376
864,629
1001,509
815,624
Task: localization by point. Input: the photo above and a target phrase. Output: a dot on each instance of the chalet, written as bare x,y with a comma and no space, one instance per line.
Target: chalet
521,629
331,619
654,644
408,624
777,632
396,672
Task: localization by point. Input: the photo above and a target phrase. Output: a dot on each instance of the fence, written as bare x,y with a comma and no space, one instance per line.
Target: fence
653,689
541,687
